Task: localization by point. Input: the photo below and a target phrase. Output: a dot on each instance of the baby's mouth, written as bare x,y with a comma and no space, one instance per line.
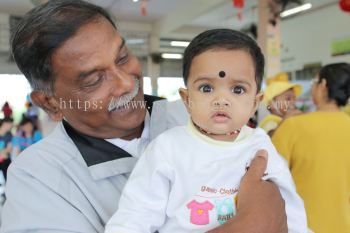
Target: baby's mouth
220,117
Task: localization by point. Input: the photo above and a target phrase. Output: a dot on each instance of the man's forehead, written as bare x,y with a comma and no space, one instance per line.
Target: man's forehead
91,42
95,32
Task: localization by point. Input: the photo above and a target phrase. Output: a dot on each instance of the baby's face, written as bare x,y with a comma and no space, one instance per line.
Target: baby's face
217,104
283,103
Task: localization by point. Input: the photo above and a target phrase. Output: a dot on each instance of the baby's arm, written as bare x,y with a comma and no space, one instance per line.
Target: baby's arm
143,202
278,172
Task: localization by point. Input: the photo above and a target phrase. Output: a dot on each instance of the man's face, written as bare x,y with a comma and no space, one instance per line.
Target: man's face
222,105
92,69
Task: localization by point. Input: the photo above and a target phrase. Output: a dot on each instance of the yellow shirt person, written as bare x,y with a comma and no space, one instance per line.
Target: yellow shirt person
317,148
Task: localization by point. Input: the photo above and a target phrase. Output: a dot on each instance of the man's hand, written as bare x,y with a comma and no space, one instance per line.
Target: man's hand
260,205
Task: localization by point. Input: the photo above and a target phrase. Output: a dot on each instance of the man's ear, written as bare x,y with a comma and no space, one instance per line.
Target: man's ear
185,98
48,103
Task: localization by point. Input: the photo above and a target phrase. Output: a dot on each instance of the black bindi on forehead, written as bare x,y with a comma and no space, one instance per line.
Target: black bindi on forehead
222,74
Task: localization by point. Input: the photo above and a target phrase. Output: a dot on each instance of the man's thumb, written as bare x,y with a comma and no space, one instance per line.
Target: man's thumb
258,165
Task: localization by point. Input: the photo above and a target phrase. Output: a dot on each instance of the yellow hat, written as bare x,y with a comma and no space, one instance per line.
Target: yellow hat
277,85
280,77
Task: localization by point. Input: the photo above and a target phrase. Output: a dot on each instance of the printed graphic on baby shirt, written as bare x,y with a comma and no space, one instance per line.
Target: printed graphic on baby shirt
200,212
224,200
225,209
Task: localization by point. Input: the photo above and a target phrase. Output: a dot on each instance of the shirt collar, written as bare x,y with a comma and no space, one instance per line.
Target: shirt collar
99,154
145,133
244,134
135,146
94,150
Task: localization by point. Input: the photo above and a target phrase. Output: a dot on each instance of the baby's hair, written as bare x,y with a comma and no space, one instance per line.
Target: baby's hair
224,39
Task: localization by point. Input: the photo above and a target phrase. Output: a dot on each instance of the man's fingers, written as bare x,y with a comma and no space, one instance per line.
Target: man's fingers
258,165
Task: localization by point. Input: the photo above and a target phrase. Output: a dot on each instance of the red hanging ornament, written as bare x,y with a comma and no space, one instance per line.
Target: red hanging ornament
345,5
238,3
144,8
239,16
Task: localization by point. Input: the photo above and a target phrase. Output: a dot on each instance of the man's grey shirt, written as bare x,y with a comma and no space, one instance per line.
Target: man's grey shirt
55,186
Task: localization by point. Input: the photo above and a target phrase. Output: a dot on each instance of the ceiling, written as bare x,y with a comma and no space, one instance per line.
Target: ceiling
175,19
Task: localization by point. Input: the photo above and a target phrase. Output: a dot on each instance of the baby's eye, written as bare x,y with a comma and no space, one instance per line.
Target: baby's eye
206,88
239,90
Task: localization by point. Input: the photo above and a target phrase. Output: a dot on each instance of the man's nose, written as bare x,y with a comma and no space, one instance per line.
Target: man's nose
123,84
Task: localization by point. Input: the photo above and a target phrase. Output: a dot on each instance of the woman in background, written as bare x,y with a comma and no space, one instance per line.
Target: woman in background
317,148
6,125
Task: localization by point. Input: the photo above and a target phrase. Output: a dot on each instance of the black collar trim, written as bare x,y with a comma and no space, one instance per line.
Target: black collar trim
96,150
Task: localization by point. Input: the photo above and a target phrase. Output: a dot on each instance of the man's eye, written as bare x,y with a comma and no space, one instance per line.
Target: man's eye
122,60
95,82
206,88
238,90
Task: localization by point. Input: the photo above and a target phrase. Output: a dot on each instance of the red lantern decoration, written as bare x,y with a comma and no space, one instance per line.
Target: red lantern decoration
345,5
238,3
144,8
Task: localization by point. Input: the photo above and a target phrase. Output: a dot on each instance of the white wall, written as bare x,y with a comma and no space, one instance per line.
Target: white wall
307,38
7,67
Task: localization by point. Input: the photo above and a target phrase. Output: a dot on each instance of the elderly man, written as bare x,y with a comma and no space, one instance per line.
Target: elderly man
83,74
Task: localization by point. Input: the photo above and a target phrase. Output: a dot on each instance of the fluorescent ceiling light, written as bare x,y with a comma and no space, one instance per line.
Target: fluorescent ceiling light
179,43
171,55
38,2
135,0
296,10
135,41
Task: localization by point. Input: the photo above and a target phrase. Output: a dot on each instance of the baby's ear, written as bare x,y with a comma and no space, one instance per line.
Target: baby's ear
258,98
185,98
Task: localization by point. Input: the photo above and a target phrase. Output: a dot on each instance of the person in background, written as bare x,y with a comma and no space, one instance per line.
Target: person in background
26,135
32,114
6,125
7,110
316,146
279,97
346,109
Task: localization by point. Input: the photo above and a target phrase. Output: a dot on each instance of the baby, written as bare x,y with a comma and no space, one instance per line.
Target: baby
188,177
279,97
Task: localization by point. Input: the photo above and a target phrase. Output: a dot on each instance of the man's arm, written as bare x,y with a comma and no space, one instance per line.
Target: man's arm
260,204
33,206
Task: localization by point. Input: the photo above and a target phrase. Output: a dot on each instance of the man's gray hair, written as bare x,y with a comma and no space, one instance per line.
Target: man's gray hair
42,31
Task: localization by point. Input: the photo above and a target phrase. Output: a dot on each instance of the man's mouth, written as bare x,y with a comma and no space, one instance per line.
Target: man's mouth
220,117
124,107
125,102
